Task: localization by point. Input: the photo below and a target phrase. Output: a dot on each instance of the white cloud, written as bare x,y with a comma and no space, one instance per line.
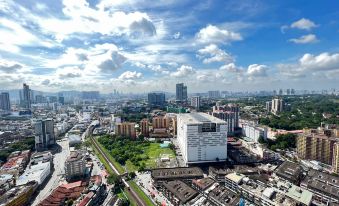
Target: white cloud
324,63
183,71
177,35
306,39
13,36
129,75
81,18
304,24
231,67
214,55
257,70
213,34
9,66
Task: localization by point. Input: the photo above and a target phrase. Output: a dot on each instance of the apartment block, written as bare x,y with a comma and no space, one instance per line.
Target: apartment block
126,129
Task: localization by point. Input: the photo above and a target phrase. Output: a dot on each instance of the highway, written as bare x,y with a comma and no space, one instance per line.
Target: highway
132,193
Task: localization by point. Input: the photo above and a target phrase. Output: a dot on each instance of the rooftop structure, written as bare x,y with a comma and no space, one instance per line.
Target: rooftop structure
38,173
324,186
289,171
220,195
182,193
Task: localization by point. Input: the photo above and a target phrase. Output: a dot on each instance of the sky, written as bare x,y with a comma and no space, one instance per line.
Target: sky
141,46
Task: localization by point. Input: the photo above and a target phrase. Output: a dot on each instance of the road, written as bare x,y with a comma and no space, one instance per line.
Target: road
57,176
135,196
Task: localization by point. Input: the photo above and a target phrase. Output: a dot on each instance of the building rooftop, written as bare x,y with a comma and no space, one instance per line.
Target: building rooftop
180,172
224,196
35,172
203,183
300,195
235,177
74,156
289,170
182,191
199,118
322,182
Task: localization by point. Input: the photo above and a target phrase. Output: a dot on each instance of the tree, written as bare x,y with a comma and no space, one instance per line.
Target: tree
113,179
132,175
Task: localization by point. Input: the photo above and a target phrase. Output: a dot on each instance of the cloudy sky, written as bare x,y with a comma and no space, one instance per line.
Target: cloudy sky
141,46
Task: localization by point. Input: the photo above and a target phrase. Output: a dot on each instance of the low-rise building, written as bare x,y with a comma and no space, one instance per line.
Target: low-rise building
178,192
162,175
38,173
20,195
75,165
290,171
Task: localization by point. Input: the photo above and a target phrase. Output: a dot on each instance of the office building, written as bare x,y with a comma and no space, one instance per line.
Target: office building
335,159
213,94
5,103
195,102
228,113
160,122
313,146
181,92
156,99
25,97
144,127
125,129
75,165
61,100
44,134
277,105
40,99
202,138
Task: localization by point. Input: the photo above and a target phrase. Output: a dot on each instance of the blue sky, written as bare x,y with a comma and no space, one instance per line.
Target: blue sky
141,46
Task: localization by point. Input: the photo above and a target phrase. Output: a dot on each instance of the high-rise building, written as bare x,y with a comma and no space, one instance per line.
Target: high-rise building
5,103
75,166
159,122
280,92
213,94
313,146
125,129
277,105
228,113
144,128
202,138
61,100
335,159
195,102
44,134
40,99
181,92
156,99
25,96
269,106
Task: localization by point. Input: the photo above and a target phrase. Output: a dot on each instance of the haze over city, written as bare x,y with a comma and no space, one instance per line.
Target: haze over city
137,46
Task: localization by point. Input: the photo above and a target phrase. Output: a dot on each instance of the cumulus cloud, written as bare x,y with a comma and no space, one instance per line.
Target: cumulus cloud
212,53
9,66
213,34
257,70
183,71
304,24
129,75
311,64
81,18
231,67
306,39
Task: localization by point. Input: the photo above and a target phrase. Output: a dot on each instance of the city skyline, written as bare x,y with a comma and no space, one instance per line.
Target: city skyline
133,46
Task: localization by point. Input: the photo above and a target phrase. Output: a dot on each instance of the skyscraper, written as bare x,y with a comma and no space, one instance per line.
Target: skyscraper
5,102
277,105
26,97
156,99
44,134
181,92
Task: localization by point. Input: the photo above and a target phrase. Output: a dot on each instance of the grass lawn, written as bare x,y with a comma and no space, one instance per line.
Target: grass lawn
141,194
154,151
102,160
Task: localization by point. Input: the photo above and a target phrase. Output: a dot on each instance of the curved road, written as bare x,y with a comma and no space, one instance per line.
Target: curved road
139,201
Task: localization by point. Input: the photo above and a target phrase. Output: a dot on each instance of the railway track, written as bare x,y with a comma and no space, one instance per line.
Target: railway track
130,190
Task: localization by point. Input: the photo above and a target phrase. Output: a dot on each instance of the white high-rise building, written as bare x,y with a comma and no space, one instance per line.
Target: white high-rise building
202,138
195,102
277,105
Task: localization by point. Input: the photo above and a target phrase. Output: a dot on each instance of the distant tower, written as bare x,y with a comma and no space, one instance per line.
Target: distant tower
44,134
181,92
5,103
26,97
